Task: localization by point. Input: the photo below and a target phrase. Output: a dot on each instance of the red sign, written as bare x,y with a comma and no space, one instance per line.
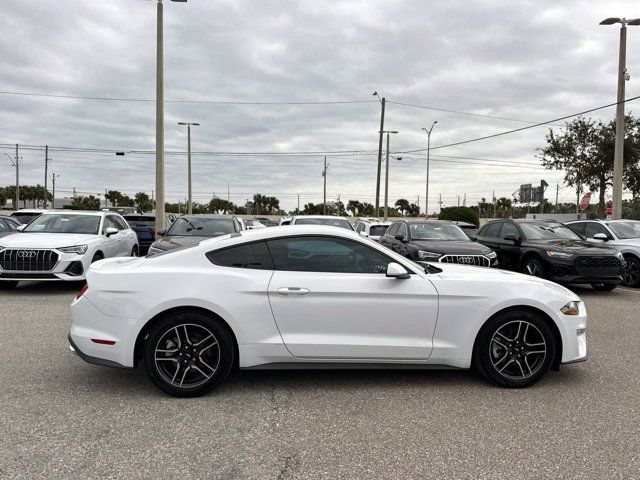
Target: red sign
585,201
608,208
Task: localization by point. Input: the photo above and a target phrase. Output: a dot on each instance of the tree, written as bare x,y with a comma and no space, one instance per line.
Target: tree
355,207
143,202
413,210
85,203
219,205
461,214
402,205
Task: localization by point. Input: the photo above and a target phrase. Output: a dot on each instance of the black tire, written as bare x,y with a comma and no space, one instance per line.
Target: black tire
176,366
631,277
512,358
8,285
534,267
134,251
97,256
604,287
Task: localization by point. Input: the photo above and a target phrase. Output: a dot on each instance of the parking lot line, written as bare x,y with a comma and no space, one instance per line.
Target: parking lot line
628,290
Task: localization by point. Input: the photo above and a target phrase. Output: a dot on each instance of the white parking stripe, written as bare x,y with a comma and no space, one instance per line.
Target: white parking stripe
628,290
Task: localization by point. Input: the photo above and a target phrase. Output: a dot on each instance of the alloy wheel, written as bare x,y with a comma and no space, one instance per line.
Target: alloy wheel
631,274
533,269
517,350
187,355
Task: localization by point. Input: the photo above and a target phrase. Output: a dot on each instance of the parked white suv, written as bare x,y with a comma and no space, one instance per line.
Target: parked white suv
621,235
328,220
62,245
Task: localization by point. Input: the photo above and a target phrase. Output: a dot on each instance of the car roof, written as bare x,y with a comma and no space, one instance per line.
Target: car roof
207,215
318,216
30,210
286,230
78,212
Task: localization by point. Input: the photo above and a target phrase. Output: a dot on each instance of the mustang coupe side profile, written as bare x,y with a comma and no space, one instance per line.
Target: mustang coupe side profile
318,297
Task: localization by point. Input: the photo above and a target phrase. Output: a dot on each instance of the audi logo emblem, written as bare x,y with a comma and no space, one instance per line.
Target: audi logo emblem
27,253
466,260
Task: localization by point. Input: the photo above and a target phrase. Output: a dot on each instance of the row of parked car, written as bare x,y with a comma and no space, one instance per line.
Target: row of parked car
600,253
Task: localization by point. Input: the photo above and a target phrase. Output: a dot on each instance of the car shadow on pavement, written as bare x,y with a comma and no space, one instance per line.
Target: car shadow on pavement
45,288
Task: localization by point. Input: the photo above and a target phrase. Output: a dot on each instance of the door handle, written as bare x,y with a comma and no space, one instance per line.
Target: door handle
293,291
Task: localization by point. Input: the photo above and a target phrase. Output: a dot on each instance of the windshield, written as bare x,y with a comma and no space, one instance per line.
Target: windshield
437,231
548,231
64,223
624,230
25,217
332,222
201,227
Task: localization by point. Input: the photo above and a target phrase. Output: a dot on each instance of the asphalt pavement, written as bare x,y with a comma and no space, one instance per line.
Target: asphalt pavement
63,418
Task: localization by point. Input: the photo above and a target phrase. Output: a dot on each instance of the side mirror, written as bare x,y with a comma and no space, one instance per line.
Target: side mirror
601,236
110,231
395,270
21,227
511,237
399,237
161,232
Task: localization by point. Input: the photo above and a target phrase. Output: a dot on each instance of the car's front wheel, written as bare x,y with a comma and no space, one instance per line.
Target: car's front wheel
514,349
533,267
188,354
631,275
8,285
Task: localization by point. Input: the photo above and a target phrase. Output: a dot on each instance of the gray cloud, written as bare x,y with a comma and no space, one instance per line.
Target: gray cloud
531,60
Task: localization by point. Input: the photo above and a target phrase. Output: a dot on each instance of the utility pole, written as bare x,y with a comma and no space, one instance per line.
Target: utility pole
426,195
383,101
557,192
324,175
228,193
298,209
618,161
440,200
494,203
106,201
190,198
338,204
386,178
53,190
16,163
46,174
74,192
159,120
464,202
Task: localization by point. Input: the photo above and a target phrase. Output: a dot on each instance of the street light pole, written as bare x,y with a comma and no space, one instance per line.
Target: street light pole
383,102
618,159
189,201
53,190
426,197
324,175
386,177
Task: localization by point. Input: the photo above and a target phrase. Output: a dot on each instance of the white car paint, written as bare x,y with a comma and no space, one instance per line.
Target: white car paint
119,244
427,319
363,227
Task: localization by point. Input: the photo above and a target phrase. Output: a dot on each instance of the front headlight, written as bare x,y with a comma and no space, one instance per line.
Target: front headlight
491,255
423,255
79,249
571,308
552,253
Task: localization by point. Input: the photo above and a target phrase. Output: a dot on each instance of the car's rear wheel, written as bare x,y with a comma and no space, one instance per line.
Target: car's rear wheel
533,267
631,277
603,287
514,349
8,285
134,251
188,354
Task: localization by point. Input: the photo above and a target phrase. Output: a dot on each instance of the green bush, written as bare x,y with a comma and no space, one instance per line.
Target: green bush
460,214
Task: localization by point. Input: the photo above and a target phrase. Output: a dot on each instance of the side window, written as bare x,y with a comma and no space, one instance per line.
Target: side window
594,227
108,223
491,231
402,230
4,227
252,255
392,229
579,228
326,254
120,223
509,229
359,227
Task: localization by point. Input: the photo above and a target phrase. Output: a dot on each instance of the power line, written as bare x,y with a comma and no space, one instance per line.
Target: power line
211,102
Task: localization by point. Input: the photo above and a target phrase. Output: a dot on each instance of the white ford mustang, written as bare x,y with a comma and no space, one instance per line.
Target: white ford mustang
318,297
60,245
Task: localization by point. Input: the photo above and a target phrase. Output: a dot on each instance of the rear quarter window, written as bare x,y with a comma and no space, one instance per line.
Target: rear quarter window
253,255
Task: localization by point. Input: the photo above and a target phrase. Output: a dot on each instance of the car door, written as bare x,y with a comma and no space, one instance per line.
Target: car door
489,235
593,228
124,244
508,251
110,244
387,239
331,298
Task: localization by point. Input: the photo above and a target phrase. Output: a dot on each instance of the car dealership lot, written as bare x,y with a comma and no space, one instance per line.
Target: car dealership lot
64,418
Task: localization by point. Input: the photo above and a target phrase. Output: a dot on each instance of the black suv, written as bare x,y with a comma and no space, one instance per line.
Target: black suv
436,241
552,250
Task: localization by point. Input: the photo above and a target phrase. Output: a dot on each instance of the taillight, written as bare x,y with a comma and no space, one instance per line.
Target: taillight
100,341
152,231
83,291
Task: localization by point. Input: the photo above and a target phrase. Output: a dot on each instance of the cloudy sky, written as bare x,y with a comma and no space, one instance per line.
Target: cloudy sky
524,61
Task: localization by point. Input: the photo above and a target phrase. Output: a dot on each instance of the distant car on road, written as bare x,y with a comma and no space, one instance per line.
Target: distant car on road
372,229
144,224
8,225
553,251
436,241
62,245
328,220
621,235
192,229
25,215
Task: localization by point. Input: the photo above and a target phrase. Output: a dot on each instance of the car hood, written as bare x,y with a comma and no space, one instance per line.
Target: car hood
576,247
452,247
452,271
44,240
175,241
